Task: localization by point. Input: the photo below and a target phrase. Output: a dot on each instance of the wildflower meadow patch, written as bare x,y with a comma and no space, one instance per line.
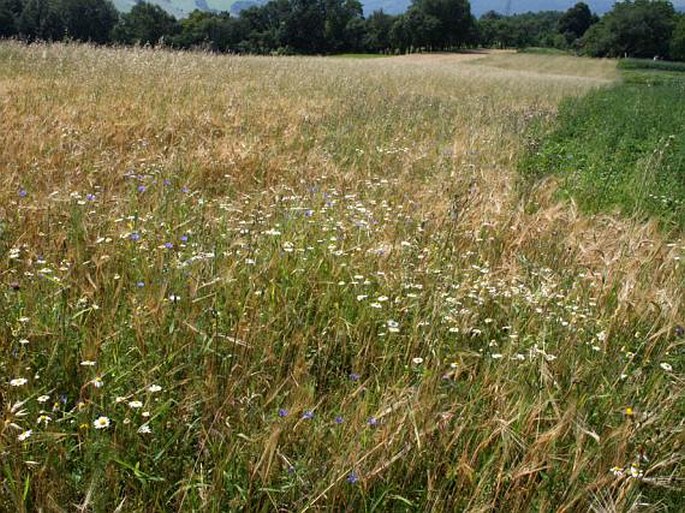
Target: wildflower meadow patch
307,284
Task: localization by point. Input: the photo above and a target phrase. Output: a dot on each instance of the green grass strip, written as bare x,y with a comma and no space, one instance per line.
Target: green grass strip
621,147
632,64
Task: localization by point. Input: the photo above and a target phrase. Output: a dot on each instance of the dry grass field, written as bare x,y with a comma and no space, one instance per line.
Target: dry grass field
313,284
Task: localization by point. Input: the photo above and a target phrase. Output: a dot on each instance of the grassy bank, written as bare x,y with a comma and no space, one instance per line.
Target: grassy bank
306,284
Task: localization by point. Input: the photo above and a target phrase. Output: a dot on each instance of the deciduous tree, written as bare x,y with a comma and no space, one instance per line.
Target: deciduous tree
678,40
88,20
145,24
640,28
575,22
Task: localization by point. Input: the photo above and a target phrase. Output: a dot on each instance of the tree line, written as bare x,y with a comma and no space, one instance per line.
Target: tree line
639,28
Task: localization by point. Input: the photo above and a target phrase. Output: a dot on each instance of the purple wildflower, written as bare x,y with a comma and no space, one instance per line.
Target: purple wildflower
308,415
135,236
168,245
282,412
354,376
339,420
142,188
22,193
373,421
352,477
184,238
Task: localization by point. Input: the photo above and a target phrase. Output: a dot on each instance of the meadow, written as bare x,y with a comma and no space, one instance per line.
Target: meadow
313,284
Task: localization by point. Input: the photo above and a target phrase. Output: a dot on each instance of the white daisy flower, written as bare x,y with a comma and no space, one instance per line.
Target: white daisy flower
101,422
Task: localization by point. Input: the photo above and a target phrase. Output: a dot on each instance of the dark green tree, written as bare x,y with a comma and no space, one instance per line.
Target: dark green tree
145,24
640,28
425,30
414,31
305,27
265,26
521,30
10,11
442,23
400,38
89,20
575,22
489,29
213,31
678,40
341,27
41,19
355,35
377,32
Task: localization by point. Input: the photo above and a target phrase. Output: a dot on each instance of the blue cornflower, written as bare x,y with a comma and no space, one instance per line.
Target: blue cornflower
22,193
90,197
352,477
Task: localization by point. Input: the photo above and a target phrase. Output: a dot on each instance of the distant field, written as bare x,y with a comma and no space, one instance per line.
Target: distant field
564,65
312,284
